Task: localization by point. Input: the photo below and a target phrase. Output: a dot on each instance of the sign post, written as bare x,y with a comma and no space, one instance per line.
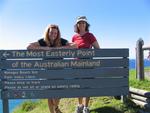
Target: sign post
5,105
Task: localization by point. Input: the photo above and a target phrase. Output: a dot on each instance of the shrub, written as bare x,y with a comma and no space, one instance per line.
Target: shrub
28,105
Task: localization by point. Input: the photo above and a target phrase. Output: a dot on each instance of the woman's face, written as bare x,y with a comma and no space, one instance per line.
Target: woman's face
53,33
81,25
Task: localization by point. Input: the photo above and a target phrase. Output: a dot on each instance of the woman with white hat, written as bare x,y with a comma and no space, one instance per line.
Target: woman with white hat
84,39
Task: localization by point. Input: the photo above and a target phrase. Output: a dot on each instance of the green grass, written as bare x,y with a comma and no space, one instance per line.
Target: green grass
97,104
133,82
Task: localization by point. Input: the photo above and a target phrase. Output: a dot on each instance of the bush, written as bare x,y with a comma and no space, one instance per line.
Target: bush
28,105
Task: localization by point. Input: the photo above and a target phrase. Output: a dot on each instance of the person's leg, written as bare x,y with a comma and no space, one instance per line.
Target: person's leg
51,106
56,105
86,103
56,102
80,101
80,106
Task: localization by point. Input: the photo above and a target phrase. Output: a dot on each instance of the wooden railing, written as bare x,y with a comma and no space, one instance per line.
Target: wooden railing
140,59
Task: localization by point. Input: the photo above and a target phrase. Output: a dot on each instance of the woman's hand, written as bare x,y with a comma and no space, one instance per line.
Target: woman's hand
73,45
36,46
32,46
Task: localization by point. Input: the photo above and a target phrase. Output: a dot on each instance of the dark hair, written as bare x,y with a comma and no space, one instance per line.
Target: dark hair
76,29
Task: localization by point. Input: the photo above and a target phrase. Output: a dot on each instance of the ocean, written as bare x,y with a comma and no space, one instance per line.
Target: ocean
14,103
132,64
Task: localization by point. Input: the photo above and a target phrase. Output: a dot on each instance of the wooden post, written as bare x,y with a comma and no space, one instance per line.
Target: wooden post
139,60
5,105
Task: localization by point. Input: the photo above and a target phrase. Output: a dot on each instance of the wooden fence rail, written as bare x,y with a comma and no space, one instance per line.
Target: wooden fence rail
140,59
140,97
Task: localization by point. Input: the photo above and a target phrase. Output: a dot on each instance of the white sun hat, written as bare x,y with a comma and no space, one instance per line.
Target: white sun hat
81,18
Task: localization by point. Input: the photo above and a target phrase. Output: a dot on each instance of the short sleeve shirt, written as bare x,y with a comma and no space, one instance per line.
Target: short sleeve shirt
43,43
84,41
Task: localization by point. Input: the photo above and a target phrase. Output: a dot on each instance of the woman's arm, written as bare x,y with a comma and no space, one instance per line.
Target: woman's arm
72,45
68,46
36,46
96,45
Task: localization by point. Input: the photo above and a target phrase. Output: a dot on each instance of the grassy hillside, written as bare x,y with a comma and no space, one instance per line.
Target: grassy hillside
97,104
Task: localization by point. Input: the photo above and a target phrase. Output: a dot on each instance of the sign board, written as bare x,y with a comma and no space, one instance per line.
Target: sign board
60,64
63,73
63,53
62,69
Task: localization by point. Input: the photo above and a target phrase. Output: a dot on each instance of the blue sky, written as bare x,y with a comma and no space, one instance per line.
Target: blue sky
115,23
